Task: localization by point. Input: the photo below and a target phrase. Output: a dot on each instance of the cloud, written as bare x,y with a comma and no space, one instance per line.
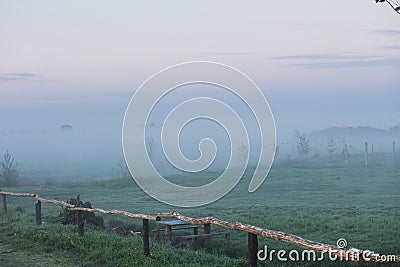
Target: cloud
7,79
386,31
20,74
340,61
16,76
362,63
321,57
227,53
391,47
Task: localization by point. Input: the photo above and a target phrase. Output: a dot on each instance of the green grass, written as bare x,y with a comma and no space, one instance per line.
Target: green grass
95,248
321,200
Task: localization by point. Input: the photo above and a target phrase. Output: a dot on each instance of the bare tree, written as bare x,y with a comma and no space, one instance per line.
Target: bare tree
303,145
332,145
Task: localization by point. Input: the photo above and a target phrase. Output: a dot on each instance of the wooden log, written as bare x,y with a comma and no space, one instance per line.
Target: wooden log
52,201
72,207
366,155
38,209
252,245
18,194
4,201
284,237
145,237
117,212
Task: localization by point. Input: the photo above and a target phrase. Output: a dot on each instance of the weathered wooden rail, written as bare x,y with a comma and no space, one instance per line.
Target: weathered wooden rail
252,231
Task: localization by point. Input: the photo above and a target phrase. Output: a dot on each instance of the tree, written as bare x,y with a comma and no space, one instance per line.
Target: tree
303,145
394,4
8,170
332,145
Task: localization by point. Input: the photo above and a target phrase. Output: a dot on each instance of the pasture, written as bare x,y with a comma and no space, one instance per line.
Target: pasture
318,199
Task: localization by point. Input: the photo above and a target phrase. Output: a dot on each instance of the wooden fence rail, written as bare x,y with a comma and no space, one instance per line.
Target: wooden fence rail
349,254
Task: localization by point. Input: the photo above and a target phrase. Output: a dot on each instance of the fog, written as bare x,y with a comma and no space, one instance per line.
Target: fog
93,148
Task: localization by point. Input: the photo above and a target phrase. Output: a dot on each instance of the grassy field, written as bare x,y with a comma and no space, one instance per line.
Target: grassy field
321,200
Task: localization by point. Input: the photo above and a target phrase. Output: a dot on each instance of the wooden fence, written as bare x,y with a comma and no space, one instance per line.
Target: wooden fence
252,231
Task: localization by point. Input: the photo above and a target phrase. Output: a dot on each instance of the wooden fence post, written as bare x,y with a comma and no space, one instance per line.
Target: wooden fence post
145,237
38,208
80,222
228,242
207,239
366,154
168,233
4,201
252,244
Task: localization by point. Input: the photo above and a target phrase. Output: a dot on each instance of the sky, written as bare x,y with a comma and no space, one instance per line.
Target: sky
319,63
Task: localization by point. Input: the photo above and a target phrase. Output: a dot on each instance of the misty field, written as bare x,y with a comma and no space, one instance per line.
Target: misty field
319,199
